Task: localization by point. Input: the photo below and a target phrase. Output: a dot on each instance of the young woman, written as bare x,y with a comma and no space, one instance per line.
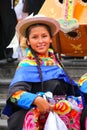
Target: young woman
39,80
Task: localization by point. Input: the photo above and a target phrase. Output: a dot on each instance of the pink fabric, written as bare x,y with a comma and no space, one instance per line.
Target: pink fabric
71,117
86,123
33,122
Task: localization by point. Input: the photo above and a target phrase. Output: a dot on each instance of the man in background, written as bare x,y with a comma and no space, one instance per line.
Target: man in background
8,21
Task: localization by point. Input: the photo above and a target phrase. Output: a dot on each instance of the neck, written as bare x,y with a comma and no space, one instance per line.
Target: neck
43,55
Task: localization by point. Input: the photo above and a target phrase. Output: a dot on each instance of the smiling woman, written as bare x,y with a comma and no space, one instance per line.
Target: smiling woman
40,80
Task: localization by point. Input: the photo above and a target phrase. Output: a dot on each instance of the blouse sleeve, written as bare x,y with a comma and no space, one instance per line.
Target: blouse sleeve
23,99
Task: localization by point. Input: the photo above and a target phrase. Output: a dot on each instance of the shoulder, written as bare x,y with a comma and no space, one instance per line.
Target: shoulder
27,62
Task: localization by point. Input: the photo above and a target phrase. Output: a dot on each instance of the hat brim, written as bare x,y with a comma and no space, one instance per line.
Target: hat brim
25,23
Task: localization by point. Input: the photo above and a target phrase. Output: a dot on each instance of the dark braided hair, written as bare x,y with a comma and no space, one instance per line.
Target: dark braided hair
56,56
38,65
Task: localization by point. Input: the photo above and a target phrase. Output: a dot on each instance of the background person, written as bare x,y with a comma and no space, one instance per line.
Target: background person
8,21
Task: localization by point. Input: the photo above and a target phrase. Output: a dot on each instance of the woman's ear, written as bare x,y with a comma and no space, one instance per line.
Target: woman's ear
50,40
28,42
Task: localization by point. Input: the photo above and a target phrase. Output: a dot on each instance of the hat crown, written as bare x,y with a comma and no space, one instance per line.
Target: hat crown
36,19
34,16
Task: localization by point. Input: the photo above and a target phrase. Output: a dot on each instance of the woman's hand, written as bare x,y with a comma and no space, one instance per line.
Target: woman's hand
43,105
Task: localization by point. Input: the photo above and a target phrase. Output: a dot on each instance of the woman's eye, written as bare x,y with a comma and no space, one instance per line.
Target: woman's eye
34,37
44,35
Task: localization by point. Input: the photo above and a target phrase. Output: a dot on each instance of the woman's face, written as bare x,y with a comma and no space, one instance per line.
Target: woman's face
39,40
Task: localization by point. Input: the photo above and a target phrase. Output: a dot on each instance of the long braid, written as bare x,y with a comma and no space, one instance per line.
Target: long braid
38,65
56,56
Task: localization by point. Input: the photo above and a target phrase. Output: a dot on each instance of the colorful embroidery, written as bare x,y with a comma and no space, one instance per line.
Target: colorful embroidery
62,107
16,96
44,61
83,79
71,117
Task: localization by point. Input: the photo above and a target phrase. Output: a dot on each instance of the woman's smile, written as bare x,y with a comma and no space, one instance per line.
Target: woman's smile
41,46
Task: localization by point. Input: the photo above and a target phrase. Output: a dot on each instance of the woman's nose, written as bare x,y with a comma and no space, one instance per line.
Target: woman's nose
40,39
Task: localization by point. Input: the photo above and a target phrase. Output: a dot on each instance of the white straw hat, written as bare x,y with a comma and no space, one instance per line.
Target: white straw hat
30,20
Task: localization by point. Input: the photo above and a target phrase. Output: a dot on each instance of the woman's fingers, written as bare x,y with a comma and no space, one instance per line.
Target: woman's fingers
43,105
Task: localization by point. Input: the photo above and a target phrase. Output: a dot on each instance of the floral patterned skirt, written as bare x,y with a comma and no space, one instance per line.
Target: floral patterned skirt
69,113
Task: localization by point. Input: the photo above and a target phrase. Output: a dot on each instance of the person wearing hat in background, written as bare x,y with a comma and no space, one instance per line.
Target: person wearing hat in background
39,76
